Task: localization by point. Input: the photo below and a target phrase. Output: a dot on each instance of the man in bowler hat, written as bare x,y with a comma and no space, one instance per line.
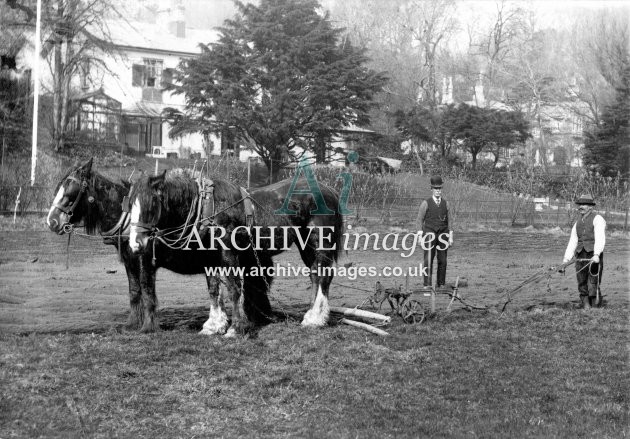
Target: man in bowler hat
587,241
433,218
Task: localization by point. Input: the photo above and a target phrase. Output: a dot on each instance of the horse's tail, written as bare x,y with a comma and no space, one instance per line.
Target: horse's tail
256,288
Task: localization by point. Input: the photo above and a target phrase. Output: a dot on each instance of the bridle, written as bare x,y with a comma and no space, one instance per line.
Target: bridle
69,210
150,228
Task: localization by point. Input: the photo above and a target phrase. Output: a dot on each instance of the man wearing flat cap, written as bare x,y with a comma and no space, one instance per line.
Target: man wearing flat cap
433,218
586,244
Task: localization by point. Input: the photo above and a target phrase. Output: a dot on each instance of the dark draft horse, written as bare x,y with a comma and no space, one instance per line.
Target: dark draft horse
86,198
164,204
169,203
89,199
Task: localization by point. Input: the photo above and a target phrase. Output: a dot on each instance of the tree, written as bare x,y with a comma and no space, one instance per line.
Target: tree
281,77
407,39
14,120
607,146
421,125
75,35
484,129
14,89
431,24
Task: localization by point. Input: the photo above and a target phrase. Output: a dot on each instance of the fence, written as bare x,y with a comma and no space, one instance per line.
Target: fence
519,212
403,211
32,199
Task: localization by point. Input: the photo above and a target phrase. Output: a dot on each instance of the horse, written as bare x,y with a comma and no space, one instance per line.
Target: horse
87,198
170,250
165,204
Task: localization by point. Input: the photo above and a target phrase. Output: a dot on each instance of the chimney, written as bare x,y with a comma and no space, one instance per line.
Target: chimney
172,18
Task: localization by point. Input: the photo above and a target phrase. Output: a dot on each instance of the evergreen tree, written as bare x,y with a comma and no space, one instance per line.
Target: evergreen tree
281,77
607,146
486,129
476,129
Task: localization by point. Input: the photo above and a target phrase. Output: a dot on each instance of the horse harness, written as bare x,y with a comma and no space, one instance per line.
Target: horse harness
207,206
83,184
206,210
119,227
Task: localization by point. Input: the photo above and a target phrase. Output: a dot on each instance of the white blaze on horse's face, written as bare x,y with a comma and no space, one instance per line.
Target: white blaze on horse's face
54,224
133,233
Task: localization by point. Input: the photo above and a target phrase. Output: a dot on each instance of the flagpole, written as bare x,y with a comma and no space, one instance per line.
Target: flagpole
38,31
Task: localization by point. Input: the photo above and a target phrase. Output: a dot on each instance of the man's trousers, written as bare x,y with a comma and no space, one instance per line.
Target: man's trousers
589,276
440,247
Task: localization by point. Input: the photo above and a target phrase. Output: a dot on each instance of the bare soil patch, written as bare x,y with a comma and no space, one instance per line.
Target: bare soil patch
542,369
38,293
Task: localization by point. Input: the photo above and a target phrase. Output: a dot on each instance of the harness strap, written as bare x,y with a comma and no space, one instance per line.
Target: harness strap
207,205
143,227
69,210
248,206
122,223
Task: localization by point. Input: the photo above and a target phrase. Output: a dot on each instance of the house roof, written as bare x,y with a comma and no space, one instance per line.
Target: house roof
144,109
154,38
94,93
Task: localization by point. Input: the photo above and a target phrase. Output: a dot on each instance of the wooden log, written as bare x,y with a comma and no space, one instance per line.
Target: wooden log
361,314
365,326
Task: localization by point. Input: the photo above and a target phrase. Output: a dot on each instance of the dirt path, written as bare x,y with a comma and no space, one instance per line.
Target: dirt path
37,293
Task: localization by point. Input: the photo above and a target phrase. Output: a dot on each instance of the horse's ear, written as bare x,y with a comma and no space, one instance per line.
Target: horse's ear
157,182
87,166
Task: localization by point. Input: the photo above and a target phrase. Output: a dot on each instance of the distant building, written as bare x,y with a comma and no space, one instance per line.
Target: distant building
560,143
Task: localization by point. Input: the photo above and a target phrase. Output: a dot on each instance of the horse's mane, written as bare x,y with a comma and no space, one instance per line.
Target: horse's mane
179,189
63,178
107,196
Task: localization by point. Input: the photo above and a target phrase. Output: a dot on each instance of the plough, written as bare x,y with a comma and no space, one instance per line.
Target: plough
401,300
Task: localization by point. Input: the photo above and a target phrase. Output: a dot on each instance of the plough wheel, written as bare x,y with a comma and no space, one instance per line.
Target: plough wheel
412,312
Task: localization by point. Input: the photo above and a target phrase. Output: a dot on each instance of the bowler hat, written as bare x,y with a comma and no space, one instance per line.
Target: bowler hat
585,199
436,182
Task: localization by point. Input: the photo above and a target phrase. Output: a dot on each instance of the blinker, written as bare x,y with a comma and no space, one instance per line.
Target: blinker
90,199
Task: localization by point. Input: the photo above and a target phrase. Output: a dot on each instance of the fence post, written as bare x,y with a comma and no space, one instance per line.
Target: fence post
17,203
625,223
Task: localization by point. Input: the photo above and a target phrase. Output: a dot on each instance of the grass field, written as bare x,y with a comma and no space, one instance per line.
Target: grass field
541,369
548,374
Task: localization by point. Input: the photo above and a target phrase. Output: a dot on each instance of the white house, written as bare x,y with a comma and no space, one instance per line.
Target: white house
149,53
123,102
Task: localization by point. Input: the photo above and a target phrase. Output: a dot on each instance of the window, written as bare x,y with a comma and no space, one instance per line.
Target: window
153,69
148,74
84,74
